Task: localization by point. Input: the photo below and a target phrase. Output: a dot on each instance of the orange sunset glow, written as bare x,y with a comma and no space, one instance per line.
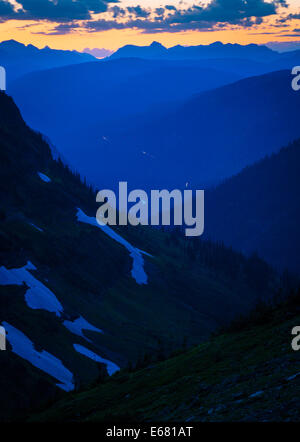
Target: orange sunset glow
283,25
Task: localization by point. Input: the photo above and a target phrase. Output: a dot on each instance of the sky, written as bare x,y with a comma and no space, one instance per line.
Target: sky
81,24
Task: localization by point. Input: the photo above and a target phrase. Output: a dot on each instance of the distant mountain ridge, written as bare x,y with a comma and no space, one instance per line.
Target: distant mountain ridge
215,50
19,59
246,60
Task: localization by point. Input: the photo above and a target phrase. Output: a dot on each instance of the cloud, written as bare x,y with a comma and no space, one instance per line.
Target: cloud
217,13
53,10
288,18
117,11
170,8
290,35
61,29
138,11
160,11
103,25
214,15
228,11
5,8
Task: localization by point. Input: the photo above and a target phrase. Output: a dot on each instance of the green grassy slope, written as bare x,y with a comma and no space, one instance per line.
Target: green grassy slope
247,375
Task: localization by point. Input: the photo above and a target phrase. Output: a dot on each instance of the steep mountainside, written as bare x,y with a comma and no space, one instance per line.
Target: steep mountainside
259,209
19,59
77,300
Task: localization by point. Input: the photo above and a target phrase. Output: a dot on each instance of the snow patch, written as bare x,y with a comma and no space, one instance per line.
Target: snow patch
294,376
36,227
44,177
37,296
110,366
137,272
256,394
79,325
23,347
145,253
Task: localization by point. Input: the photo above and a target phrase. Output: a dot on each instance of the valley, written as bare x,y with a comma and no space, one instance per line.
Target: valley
137,322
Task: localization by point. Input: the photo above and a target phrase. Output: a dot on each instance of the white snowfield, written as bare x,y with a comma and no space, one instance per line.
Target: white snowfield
36,227
78,325
110,366
38,296
137,272
44,177
23,347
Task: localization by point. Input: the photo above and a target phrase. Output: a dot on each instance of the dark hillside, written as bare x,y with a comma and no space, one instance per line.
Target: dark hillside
56,271
246,374
259,209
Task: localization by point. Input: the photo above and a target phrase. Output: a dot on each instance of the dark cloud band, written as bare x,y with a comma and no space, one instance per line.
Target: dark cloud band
57,11
215,15
244,13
